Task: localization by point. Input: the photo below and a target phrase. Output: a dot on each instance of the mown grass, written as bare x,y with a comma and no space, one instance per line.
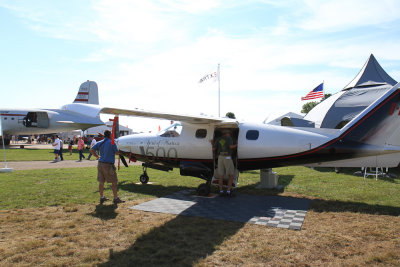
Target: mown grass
31,154
52,187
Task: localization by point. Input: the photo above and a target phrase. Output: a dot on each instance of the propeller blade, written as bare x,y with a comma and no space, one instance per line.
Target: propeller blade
123,160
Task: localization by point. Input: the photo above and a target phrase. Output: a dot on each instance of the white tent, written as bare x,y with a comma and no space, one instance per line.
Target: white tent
370,83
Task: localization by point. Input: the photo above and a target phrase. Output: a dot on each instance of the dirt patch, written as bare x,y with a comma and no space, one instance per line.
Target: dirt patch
88,235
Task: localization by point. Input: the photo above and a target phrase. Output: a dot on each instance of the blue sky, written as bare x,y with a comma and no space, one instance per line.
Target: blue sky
151,54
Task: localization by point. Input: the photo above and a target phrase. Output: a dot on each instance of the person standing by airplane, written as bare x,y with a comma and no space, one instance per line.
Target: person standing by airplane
224,146
81,146
106,171
91,145
60,152
56,144
70,143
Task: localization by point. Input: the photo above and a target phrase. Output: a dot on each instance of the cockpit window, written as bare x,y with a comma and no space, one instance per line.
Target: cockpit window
172,131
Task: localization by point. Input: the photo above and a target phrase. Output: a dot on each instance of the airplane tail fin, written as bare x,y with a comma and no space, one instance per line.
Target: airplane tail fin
379,124
88,93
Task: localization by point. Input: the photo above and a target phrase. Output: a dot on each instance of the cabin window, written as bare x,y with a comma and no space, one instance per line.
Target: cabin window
201,133
12,119
5,118
252,135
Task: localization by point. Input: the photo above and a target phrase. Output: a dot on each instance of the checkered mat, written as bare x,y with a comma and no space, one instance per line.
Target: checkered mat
276,211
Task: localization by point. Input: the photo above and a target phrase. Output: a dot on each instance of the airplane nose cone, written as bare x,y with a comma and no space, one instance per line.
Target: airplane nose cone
123,143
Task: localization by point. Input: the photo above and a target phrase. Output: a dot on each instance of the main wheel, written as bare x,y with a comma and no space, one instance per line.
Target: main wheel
203,190
144,178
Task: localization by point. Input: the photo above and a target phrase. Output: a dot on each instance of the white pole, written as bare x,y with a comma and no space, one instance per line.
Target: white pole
5,169
219,91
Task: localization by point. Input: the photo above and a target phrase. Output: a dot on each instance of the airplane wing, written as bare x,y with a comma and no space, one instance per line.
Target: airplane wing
162,115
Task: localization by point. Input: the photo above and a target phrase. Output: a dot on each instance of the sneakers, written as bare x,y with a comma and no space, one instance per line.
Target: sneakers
118,200
102,199
221,193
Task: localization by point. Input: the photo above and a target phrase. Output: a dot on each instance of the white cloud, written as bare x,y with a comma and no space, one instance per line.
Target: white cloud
337,15
156,58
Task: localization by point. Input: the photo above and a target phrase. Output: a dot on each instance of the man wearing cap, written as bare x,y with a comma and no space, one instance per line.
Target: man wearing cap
224,146
106,171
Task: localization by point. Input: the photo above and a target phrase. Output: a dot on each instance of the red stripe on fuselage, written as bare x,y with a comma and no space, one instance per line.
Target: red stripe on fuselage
6,114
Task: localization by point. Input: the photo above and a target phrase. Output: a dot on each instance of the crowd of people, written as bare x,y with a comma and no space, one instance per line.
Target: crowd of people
58,145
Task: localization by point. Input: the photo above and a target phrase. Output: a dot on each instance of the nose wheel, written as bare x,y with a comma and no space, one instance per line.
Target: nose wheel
144,178
204,189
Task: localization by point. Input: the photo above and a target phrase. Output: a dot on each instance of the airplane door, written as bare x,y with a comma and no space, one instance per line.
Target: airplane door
234,134
42,120
37,119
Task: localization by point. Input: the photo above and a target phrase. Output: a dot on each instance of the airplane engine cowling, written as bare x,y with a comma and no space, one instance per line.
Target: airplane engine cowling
195,169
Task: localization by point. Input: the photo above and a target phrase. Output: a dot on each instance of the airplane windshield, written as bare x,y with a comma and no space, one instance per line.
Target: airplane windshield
172,131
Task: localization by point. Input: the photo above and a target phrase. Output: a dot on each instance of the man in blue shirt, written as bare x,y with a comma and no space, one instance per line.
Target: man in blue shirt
106,171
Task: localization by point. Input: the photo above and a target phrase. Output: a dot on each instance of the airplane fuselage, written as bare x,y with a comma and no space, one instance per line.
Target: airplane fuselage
45,121
259,146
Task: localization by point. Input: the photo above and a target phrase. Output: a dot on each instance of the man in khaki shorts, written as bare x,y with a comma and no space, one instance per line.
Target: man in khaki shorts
106,171
224,146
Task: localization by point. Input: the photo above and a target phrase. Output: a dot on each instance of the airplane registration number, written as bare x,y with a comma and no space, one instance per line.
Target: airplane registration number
159,153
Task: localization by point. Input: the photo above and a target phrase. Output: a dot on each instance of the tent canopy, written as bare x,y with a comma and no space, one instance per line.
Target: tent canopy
370,83
371,74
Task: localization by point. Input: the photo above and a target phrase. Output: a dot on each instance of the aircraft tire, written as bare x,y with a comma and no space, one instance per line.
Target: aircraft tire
203,190
144,178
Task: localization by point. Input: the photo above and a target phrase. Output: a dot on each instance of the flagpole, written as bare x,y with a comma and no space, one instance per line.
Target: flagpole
219,91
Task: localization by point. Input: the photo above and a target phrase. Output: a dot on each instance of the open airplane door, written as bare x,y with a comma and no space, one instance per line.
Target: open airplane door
218,132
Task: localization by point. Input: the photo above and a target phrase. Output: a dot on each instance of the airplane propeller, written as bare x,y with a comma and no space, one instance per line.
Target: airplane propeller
115,134
123,160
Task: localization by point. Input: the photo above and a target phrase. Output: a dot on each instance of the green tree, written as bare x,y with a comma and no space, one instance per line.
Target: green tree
230,115
310,105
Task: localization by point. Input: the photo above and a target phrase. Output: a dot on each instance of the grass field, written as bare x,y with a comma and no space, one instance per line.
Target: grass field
52,217
31,154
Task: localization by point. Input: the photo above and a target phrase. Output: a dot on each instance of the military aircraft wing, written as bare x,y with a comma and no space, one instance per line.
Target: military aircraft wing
162,115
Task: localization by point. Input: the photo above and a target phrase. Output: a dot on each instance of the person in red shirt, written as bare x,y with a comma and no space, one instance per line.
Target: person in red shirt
81,146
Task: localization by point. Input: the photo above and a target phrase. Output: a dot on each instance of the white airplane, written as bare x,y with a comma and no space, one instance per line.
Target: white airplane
83,113
371,139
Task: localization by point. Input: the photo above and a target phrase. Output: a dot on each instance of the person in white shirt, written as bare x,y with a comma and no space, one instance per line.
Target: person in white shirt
91,145
57,147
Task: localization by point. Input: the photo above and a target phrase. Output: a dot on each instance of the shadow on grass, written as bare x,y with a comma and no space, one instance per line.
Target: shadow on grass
182,241
105,212
156,190
322,205
283,182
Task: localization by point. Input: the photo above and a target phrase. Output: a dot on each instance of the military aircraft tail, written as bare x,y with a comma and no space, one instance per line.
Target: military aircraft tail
88,93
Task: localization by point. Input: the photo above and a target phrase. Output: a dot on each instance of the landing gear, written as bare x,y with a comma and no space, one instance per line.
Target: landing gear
144,178
204,189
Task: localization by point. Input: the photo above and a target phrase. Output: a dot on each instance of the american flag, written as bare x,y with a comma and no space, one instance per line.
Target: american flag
317,92
212,76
